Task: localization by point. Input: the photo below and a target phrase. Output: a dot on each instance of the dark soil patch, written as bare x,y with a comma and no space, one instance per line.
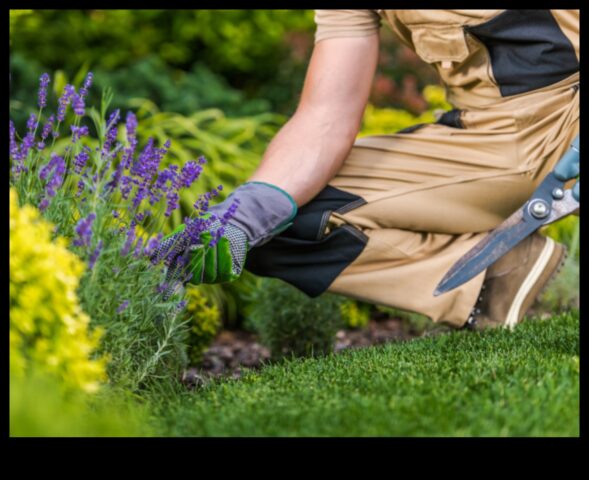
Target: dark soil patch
234,350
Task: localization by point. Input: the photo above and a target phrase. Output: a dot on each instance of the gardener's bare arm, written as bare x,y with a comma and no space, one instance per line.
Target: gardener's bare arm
309,150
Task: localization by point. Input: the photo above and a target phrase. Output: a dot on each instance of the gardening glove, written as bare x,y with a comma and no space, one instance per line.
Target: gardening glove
568,167
263,211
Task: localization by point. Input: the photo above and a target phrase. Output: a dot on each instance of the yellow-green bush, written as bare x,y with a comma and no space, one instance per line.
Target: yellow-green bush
355,314
205,322
379,121
48,329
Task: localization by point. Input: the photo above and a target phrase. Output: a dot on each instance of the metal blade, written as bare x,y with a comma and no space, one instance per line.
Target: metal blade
487,251
511,232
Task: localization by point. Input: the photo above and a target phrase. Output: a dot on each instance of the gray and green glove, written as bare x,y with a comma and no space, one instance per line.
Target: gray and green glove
569,167
264,210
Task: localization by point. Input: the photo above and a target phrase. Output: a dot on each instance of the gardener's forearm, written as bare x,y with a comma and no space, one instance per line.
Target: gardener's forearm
306,154
311,147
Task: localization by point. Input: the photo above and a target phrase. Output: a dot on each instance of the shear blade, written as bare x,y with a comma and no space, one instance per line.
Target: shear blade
487,251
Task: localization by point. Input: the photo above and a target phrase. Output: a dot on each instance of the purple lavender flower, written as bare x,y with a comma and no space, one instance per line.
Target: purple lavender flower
64,100
131,126
31,122
172,198
87,84
202,202
138,246
126,186
153,244
84,231
122,307
229,213
78,104
95,255
194,227
128,242
115,214
160,185
14,148
43,82
27,143
78,132
147,163
202,160
80,187
111,131
111,136
80,160
45,132
44,204
56,165
190,172
142,192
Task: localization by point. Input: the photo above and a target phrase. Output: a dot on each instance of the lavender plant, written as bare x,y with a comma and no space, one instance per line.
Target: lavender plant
112,199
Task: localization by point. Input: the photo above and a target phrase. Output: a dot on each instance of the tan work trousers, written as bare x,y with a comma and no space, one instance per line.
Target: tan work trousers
433,193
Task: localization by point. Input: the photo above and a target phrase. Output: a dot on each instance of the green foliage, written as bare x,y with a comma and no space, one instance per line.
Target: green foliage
495,383
292,324
246,47
173,90
564,291
355,314
566,231
204,322
40,408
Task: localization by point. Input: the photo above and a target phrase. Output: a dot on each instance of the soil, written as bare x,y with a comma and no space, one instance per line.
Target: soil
236,350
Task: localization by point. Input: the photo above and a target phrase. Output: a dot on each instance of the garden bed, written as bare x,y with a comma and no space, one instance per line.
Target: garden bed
232,351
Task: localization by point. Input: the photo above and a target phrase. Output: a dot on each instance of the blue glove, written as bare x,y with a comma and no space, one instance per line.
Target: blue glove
568,167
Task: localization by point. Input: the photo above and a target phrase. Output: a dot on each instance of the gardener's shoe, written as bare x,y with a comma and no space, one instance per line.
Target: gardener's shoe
515,281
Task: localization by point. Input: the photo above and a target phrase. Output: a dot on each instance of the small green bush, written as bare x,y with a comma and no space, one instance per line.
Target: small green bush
292,324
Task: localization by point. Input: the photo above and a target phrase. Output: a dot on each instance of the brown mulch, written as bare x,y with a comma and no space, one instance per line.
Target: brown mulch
234,350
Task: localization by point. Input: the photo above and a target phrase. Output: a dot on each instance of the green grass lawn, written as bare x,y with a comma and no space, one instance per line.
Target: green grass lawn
498,383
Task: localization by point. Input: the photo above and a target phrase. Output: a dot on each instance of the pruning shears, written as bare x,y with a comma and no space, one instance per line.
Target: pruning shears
549,202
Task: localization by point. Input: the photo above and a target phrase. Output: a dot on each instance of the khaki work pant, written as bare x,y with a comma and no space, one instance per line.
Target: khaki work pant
435,192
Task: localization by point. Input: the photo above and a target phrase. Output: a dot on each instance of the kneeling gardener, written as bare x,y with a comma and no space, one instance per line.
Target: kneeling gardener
383,218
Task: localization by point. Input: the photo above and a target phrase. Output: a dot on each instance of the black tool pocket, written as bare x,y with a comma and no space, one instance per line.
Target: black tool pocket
303,255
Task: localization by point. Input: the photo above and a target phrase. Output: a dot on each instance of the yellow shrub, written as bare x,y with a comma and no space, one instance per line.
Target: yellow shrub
386,121
355,315
205,322
48,329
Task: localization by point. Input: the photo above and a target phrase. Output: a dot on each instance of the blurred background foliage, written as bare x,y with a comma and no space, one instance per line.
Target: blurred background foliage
219,83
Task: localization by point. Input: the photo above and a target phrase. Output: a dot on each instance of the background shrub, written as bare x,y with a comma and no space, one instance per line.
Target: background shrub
292,324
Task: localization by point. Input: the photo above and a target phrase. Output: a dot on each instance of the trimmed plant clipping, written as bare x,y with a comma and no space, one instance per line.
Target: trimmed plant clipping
107,199
292,324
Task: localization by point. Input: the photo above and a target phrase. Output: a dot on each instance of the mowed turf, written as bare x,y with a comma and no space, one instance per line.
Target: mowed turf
496,383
